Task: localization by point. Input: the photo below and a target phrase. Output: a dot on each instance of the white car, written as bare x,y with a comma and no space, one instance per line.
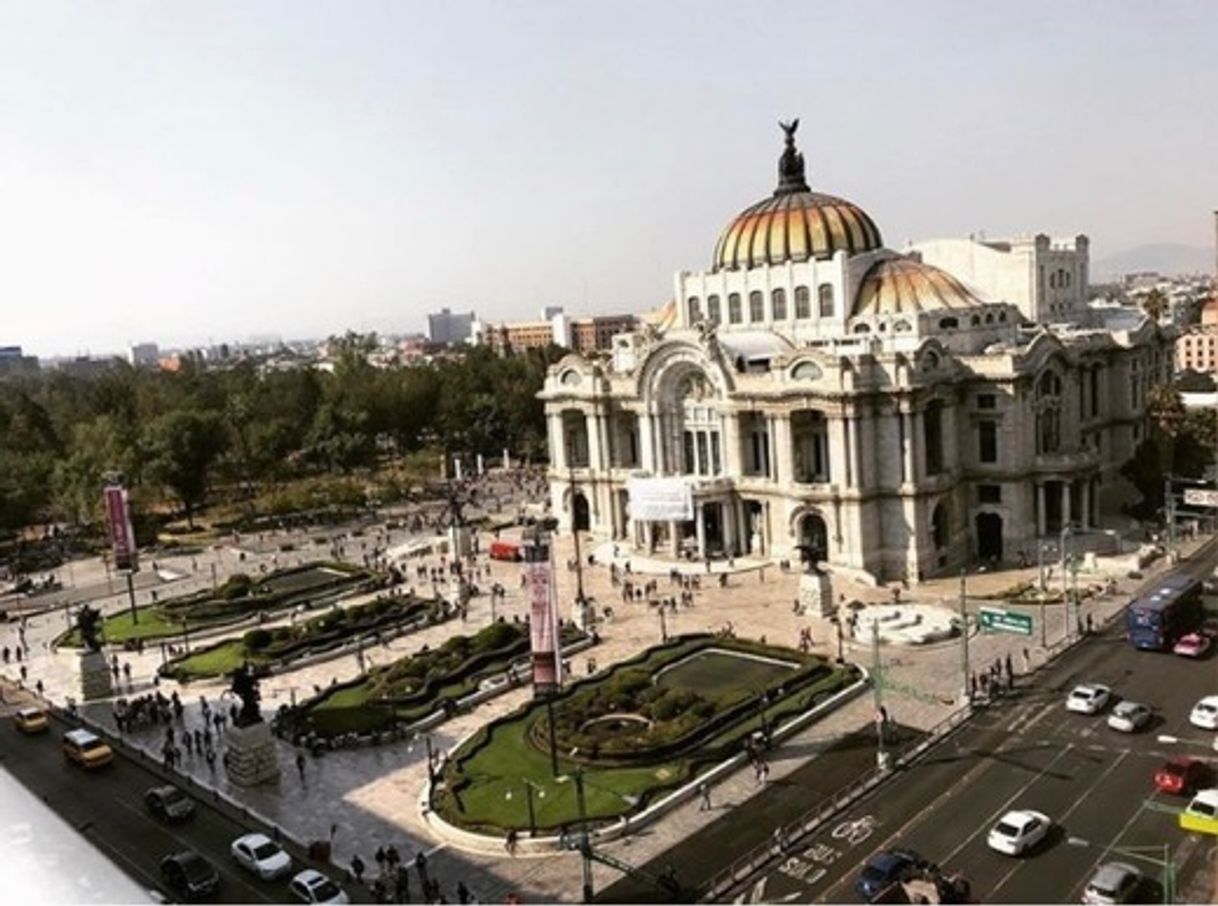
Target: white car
1113,883
1017,832
261,855
313,887
1205,713
1129,717
1089,698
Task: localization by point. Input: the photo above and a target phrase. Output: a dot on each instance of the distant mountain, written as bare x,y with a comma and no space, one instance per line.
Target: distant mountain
1167,258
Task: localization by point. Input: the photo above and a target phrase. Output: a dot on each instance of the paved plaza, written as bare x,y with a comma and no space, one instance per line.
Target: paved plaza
368,797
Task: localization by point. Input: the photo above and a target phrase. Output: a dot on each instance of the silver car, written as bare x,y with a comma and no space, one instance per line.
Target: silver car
1129,717
1112,883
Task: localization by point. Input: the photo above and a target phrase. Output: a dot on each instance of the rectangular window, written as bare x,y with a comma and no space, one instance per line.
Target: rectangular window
690,463
987,435
1095,391
716,465
824,295
733,308
703,458
778,302
932,423
987,401
989,493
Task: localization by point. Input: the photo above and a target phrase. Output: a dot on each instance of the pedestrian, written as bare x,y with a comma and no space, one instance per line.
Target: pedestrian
378,891
510,841
1089,624
198,734
300,765
462,892
1010,667
380,860
392,858
704,792
357,868
189,741
38,686
127,672
401,886
210,757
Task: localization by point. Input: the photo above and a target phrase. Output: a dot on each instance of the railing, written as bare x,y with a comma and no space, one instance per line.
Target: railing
754,860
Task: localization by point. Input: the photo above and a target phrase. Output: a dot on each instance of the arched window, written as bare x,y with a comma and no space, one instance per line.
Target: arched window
975,321
862,328
824,298
803,303
756,306
713,314
948,323
778,303
901,326
695,310
989,318
733,308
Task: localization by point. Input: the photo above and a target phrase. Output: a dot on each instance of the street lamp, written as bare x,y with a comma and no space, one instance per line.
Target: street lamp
431,757
529,789
585,839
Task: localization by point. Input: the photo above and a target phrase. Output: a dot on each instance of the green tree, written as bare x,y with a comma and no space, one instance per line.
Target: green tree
182,447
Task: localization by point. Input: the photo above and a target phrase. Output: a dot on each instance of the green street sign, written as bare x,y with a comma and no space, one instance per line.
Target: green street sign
993,620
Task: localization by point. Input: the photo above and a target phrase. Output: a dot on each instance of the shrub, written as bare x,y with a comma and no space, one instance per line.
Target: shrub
257,639
238,585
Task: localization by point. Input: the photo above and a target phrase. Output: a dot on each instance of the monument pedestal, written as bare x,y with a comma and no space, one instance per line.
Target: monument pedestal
460,543
816,595
95,677
250,756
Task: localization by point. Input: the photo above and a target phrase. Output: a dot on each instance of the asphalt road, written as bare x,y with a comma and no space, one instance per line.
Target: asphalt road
1029,752
107,807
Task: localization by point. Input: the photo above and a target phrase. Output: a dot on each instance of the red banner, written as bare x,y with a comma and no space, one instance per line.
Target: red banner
543,619
118,523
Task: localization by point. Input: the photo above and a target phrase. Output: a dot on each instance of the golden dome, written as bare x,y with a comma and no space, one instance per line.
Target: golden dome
907,285
795,223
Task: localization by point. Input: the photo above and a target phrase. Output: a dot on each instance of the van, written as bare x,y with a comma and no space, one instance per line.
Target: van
86,749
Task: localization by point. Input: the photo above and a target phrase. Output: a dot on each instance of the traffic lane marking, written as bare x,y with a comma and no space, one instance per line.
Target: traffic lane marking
916,824
1056,854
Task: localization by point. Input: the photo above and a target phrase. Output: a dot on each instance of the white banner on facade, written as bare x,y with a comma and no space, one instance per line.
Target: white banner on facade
660,499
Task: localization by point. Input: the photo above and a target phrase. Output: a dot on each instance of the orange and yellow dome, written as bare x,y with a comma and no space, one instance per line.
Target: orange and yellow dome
795,223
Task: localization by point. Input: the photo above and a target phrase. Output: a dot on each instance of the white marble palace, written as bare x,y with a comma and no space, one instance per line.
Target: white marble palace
824,397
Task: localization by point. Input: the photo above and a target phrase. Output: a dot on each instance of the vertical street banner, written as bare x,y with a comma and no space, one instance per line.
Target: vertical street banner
543,618
118,523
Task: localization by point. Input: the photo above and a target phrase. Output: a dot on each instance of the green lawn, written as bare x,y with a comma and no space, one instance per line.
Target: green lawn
722,673
217,661
485,786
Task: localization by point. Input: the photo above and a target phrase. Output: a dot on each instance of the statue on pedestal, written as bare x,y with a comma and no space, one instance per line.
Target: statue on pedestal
244,685
88,624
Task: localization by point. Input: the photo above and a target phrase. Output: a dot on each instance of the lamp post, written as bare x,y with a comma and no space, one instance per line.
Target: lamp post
529,788
968,696
585,838
877,685
663,624
836,620
431,757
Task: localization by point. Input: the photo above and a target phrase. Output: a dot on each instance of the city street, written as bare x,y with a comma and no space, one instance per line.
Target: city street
1029,752
107,807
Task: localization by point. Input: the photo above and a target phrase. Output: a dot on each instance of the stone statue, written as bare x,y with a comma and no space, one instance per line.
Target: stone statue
791,164
245,686
88,623
708,336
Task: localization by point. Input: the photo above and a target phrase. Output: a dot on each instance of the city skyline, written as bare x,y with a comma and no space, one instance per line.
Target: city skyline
187,173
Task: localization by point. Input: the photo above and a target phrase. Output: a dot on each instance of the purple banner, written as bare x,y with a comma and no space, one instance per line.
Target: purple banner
118,524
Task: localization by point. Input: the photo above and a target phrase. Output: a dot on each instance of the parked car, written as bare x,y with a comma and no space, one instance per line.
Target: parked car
1180,776
312,886
1088,698
1195,644
189,875
1205,713
1112,883
1201,814
31,721
884,868
259,854
1018,831
1129,717
169,803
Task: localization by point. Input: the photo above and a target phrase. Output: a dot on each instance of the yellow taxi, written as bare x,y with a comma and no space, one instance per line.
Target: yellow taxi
86,749
31,720
1201,815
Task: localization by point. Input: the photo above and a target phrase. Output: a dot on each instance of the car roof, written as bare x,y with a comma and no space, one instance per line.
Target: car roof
1111,872
1211,700
1129,706
1021,816
254,839
1209,797
310,876
31,712
80,736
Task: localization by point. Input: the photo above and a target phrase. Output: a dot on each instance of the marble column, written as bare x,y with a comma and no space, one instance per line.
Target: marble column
674,538
727,517
1066,515
838,451
1040,509
782,439
907,448
1084,516
649,536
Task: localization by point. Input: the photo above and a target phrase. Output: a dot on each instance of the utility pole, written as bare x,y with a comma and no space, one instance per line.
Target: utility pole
968,697
585,841
877,684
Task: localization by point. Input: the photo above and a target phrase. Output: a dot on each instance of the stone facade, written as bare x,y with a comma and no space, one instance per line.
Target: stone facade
857,408
95,676
249,756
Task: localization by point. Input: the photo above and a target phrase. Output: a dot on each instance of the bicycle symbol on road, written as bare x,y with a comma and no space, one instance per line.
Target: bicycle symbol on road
856,831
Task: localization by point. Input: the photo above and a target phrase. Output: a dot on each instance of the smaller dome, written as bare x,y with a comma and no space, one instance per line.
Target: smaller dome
905,285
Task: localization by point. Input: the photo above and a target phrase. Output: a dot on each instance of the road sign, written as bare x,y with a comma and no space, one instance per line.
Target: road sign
1200,497
994,620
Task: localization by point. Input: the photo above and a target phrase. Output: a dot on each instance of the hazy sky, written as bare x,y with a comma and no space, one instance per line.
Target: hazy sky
186,171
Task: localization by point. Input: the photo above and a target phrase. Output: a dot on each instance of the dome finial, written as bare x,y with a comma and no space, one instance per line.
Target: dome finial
791,164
